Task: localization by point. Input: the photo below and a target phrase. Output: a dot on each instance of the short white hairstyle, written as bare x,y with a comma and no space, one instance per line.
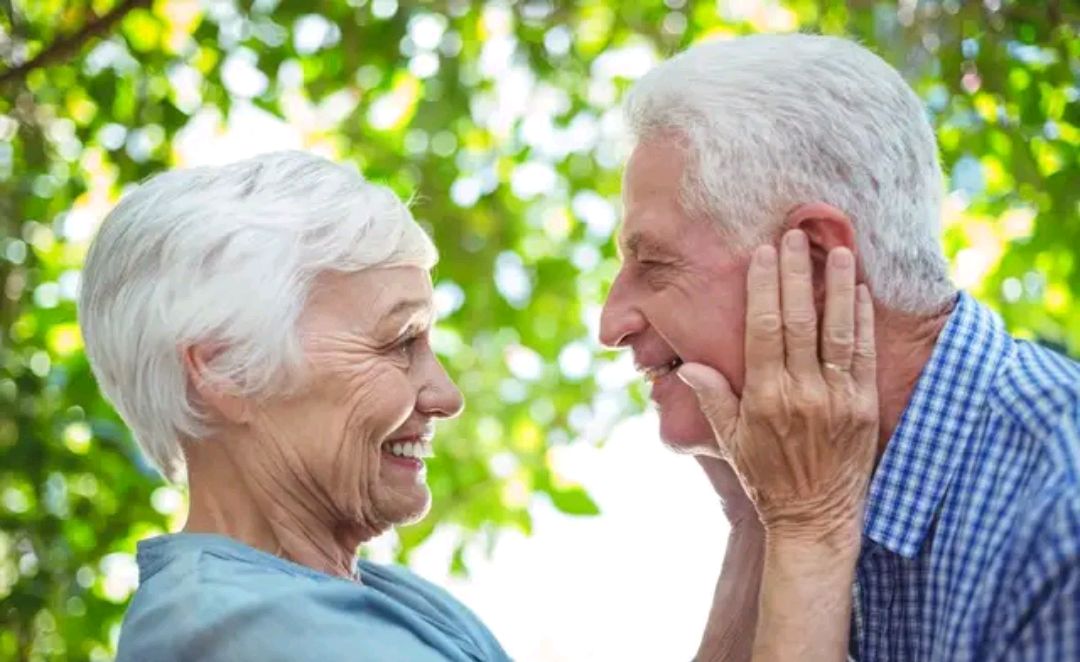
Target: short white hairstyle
225,256
773,121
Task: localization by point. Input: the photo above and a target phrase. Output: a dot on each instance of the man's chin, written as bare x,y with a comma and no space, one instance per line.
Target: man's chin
688,437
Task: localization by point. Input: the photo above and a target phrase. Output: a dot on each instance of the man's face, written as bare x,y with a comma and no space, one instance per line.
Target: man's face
680,295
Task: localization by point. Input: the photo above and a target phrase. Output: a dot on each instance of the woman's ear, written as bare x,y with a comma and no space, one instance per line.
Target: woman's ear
826,228
216,393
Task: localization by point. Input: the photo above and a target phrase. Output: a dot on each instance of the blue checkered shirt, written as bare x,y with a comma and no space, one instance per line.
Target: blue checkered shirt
971,547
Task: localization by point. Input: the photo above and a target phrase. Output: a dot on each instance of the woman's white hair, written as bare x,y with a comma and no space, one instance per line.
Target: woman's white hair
225,256
773,121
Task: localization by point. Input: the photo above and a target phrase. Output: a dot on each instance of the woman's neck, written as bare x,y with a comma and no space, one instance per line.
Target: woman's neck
240,501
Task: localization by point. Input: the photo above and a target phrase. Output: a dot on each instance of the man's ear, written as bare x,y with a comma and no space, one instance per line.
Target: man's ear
826,228
215,392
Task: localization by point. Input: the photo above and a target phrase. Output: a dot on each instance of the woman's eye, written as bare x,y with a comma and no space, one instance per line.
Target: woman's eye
406,346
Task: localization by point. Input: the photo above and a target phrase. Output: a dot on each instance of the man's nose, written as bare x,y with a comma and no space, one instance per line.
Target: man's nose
619,319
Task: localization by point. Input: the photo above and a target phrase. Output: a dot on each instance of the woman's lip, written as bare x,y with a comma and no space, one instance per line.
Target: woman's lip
410,439
411,463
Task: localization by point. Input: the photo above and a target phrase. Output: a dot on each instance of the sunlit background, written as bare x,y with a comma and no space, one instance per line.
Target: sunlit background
558,517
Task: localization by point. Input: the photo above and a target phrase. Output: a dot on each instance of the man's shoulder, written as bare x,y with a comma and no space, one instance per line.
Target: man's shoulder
1038,391
1037,395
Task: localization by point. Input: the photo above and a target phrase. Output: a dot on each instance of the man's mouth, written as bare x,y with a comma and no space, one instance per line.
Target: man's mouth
655,372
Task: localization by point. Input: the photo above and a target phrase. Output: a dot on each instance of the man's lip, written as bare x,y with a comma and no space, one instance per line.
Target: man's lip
655,370
652,365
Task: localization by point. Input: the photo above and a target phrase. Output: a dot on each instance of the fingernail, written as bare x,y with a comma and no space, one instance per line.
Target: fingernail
687,374
862,294
765,256
841,258
796,240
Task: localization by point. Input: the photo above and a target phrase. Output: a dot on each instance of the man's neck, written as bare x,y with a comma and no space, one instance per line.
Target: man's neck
233,499
904,345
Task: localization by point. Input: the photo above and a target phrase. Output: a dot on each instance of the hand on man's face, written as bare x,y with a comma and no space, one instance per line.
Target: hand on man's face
802,438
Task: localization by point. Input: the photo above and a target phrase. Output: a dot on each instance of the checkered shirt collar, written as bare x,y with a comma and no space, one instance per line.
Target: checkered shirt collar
936,429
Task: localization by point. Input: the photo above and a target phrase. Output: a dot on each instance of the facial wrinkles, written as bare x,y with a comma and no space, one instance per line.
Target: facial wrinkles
287,481
363,372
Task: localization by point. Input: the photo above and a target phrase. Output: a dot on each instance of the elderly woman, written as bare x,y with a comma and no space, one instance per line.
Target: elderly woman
263,329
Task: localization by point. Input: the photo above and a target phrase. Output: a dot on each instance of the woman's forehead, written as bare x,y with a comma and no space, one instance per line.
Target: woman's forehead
373,297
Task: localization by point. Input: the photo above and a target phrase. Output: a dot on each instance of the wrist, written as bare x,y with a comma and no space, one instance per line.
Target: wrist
838,529
815,547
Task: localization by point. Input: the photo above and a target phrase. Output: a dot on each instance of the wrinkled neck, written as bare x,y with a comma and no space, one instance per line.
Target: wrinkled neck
232,498
905,343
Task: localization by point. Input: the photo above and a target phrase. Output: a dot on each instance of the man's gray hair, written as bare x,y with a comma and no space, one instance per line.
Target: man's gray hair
225,256
773,121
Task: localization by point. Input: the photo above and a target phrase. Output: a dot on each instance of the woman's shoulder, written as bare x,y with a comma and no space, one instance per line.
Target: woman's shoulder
207,598
424,600
192,585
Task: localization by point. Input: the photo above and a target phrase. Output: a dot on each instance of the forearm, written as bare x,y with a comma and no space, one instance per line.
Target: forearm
729,633
805,606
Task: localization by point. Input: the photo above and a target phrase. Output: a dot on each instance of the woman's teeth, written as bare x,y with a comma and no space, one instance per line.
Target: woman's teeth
414,449
657,372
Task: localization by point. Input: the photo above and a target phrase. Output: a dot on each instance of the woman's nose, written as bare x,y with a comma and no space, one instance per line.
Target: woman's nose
440,396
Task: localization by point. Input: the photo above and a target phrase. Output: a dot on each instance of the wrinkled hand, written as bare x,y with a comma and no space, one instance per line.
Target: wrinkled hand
802,439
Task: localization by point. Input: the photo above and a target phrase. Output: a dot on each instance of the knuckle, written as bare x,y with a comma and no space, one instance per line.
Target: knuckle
766,322
811,395
839,333
866,411
801,322
709,408
866,352
761,402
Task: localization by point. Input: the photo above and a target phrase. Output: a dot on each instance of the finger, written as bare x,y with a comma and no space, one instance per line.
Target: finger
714,397
864,360
838,327
764,335
797,306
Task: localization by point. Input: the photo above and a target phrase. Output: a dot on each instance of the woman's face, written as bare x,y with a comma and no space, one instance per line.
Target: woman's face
372,387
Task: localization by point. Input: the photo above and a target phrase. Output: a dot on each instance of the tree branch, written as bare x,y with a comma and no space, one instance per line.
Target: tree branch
65,47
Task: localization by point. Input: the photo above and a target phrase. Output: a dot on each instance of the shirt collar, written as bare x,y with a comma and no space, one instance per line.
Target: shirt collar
925,451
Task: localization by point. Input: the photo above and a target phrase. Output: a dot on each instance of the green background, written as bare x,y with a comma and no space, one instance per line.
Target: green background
94,93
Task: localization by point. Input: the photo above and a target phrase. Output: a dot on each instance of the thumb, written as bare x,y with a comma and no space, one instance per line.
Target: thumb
714,396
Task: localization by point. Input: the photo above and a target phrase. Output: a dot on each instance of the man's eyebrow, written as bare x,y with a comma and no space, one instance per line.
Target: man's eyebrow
639,242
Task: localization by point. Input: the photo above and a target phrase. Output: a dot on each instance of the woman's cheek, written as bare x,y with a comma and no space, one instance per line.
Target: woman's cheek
382,397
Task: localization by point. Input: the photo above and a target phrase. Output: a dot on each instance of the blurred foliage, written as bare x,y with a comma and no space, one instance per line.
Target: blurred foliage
501,119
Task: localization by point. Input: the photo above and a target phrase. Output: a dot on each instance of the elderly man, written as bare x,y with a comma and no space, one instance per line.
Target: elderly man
970,535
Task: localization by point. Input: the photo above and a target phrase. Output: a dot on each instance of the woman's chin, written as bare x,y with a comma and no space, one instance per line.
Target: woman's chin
401,506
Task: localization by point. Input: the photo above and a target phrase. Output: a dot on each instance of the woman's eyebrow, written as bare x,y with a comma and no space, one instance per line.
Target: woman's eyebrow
404,310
